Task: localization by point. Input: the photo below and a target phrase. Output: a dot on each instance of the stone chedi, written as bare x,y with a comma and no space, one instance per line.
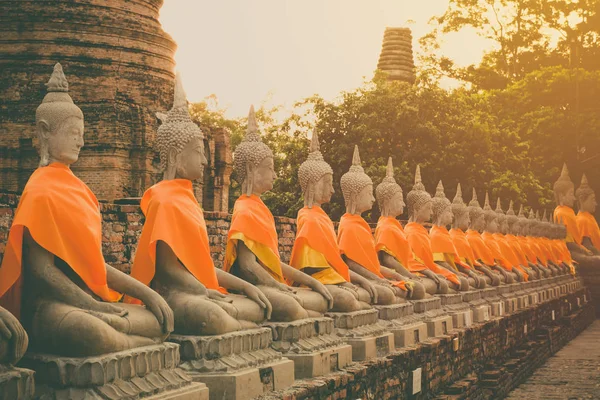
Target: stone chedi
419,212
315,250
465,252
252,251
587,224
487,255
442,246
55,272
15,383
355,238
173,253
391,242
396,58
564,194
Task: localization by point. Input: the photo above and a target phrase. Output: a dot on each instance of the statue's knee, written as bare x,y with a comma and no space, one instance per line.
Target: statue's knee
385,296
443,287
495,280
81,334
418,291
287,309
464,284
343,301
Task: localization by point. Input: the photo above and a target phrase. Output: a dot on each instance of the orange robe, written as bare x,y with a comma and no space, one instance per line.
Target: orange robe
509,253
62,215
530,252
390,237
174,216
357,243
443,247
480,249
419,241
253,224
566,215
588,227
463,247
316,247
537,249
519,248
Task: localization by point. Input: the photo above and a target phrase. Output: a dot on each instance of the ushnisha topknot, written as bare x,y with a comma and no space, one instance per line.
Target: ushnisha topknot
440,201
584,190
511,217
418,196
355,179
315,167
458,204
176,128
475,210
563,183
251,150
56,107
490,214
388,188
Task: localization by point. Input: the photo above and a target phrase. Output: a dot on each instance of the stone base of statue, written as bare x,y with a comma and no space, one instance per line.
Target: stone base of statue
479,306
312,345
491,295
236,365
400,319
16,383
508,294
364,332
150,372
522,292
430,311
462,312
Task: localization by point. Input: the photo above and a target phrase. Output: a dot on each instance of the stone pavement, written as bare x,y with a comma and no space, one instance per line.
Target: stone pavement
572,373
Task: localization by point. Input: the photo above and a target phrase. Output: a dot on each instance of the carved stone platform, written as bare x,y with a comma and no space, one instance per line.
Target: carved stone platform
364,332
461,311
430,311
508,293
149,372
492,297
479,307
312,345
236,365
400,319
16,383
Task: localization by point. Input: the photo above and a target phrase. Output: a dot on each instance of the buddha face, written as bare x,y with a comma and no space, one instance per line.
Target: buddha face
462,220
492,226
63,141
263,176
395,205
446,217
502,225
479,223
191,160
515,228
524,228
323,189
364,200
567,198
424,213
589,204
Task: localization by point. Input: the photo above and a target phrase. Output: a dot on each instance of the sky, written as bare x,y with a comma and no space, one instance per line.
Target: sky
280,51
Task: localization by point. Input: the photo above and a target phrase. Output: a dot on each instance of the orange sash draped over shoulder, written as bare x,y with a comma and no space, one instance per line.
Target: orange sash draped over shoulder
174,216
492,244
529,251
253,224
588,227
356,241
537,249
509,253
315,231
462,246
63,216
480,249
519,248
441,242
566,215
390,237
419,241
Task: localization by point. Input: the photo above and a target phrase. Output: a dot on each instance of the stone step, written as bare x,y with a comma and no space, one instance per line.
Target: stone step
429,304
395,311
16,383
303,336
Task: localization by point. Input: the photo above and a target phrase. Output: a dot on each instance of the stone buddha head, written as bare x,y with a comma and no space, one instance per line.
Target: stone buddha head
523,222
253,161
501,217
491,217
315,176
586,196
179,140
564,189
462,217
547,227
357,187
476,214
389,194
532,224
420,204
59,123
442,208
512,220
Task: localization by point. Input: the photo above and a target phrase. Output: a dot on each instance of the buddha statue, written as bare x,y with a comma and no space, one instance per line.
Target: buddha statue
315,250
252,252
517,255
420,210
444,251
466,253
13,339
173,253
587,224
542,232
500,249
524,252
564,194
356,241
54,248
391,242
487,255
